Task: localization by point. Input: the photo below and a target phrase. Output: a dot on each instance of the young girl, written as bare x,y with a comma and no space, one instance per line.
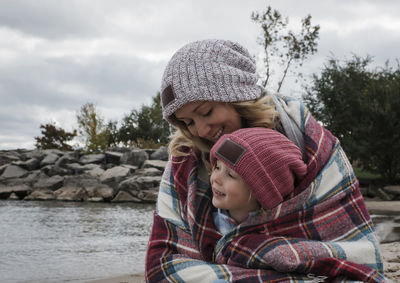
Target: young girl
253,170
209,88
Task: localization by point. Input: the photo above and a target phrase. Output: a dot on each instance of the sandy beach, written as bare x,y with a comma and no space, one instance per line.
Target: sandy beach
390,251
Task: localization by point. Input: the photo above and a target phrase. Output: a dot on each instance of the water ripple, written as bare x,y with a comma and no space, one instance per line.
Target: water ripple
71,242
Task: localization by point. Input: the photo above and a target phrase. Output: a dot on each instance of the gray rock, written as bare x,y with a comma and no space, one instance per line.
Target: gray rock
63,161
13,171
95,199
79,169
41,195
71,194
37,154
130,167
57,170
151,171
8,157
96,172
92,158
49,159
13,196
138,183
30,164
20,190
148,196
2,168
383,195
53,151
125,197
160,154
101,191
159,164
115,174
135,157
394,190
50,183
113,157
82,181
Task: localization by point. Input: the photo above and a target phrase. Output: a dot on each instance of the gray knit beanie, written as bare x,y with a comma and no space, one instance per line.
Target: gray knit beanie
208,70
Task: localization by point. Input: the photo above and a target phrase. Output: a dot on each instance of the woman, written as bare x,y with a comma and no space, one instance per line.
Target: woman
209,89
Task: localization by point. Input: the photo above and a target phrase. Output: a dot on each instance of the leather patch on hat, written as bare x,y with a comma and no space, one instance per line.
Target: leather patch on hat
231,151
167,96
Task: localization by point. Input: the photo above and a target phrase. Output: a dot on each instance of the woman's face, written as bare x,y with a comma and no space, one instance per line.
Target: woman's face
209,120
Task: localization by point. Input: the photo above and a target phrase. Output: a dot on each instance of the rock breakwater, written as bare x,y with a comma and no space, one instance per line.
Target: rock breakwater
118,175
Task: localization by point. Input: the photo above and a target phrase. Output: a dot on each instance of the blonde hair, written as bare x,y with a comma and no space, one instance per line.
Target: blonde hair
254,113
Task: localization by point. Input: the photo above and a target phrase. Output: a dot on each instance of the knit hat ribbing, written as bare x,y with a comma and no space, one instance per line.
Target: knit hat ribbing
267,161
208,70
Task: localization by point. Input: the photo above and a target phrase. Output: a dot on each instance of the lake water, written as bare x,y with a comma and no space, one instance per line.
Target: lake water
79,241
71,242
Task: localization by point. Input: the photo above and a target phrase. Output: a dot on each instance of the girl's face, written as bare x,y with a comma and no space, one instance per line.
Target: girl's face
230,192
209,120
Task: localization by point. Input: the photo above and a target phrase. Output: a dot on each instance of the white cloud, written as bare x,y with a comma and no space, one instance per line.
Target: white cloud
56,56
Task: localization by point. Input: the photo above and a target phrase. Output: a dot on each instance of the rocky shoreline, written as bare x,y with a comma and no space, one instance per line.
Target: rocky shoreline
118,175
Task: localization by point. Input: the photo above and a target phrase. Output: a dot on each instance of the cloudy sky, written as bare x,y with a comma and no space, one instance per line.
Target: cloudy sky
57,55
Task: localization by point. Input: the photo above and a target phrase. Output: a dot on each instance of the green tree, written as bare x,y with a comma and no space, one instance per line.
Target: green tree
54,138
112,129
283,46
361,107
145,127
92,128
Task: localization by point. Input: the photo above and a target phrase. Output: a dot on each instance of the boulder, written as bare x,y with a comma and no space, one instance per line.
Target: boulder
125,197
20,190
7,157
135,157
101,191
79,169
151,171
394,190
13,196
49,159
83,181
36,153
138,183
2,168
96,172
50,183
30,164
160,154
148,196
113,157
115,175
13,171
383,195
53,170
44,194
65,160
71,194
159,164
92,158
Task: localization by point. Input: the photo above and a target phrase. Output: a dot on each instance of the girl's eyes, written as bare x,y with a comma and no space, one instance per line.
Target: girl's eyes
231,175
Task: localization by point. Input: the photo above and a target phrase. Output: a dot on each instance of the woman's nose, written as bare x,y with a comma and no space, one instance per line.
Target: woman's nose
203,130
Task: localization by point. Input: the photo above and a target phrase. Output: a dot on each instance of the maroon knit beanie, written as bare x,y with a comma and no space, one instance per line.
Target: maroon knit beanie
268,162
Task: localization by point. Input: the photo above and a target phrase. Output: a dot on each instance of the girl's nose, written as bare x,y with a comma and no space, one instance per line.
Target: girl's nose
214,178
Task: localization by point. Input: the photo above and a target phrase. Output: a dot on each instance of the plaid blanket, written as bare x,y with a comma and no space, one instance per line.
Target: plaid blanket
322,233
